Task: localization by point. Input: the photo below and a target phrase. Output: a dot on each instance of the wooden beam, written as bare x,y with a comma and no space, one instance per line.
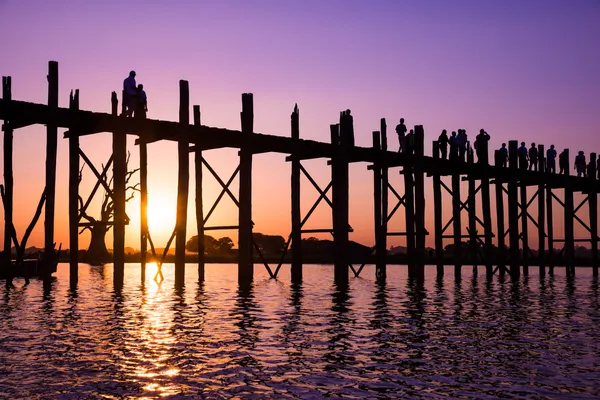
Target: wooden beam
569,222
524,230
143,206
593,207
471,212
456,225
295,198
8,179
500,217
550,230
486,210
437,215
74,197
377,210
245,263
513,211
339,177
541,214
183,182
199,202
420,231
384,203
119,172
51,146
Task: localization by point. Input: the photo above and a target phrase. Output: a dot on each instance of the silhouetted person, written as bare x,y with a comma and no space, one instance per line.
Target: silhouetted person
453,147
461,142
443,142
563,162
580,164
481,142
523,155
503,155
598,167
348,127
551,160
591,170
401,131
533,157
410,142
130,94
142,103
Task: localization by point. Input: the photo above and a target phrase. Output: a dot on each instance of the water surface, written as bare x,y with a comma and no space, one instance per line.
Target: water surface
537,338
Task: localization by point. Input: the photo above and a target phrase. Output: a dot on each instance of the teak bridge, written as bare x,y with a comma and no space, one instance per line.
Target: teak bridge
510,184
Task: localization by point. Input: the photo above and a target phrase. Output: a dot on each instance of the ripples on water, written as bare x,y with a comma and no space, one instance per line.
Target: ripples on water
534,339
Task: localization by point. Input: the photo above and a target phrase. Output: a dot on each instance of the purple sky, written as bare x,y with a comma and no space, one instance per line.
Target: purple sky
523,70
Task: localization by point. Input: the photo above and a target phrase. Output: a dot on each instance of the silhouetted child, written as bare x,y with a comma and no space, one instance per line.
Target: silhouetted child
410,142
563,162
453,147
142,103
523,155
580,164
591,170
503,151
551,160
481,142
401,131
443,144
533,157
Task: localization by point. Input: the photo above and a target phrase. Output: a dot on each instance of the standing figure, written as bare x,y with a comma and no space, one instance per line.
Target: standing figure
591,170
453,147
443,144
523,156
347,127
461,141
401,131
551,160
481,141
142,105
580,164
503,155
598,167
130,94
563,162
533,157
410,142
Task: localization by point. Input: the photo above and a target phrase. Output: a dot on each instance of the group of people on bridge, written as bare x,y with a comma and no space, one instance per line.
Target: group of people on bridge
528,158
135,101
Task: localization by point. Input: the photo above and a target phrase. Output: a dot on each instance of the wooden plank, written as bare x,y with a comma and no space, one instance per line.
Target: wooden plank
593,207
377,211
8,179
513,211
550,230
500,219
420,231
199,202
437,215
51,146
486,210
409,212
119,172
183,182
295,198
143,206
456,225
541,213
471,202
245,264
524,230
74,197
569,222
384,203
339,177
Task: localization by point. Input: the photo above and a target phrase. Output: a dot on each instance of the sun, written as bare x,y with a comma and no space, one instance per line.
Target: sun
161,213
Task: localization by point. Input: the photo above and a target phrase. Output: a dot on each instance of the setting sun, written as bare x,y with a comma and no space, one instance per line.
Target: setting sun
161,213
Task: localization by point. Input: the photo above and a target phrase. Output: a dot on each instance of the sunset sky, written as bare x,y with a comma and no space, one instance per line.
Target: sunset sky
525,70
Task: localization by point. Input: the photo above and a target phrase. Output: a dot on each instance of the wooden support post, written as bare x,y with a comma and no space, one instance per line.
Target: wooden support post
245,263
51,145
296,211
384,203
550,230
119,173
143,206
524,230
513,211
378,217
569,228
437,211
500,216
8,182
74,196
486,210
419,204
340,200
471,202
593,206
199,201
541,214
183,183
456,225
409,208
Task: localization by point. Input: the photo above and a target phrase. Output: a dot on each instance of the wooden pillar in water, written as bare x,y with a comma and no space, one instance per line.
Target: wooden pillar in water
513,211
569,228
119,173
541,213
199,201
486,210
550,230
377,214
456,224
593,207
437,214
471,214
524,229
295,193
74,195
384,205
245,262
183,182
51,146
500,216
420,230
143,205
409,208
340,202
8,181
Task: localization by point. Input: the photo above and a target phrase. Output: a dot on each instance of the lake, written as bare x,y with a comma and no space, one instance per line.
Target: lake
537,338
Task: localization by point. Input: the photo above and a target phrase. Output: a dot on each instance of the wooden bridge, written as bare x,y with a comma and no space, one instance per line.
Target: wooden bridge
509,183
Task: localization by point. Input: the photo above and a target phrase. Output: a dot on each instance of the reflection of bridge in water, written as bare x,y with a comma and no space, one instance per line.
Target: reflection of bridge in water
510,184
